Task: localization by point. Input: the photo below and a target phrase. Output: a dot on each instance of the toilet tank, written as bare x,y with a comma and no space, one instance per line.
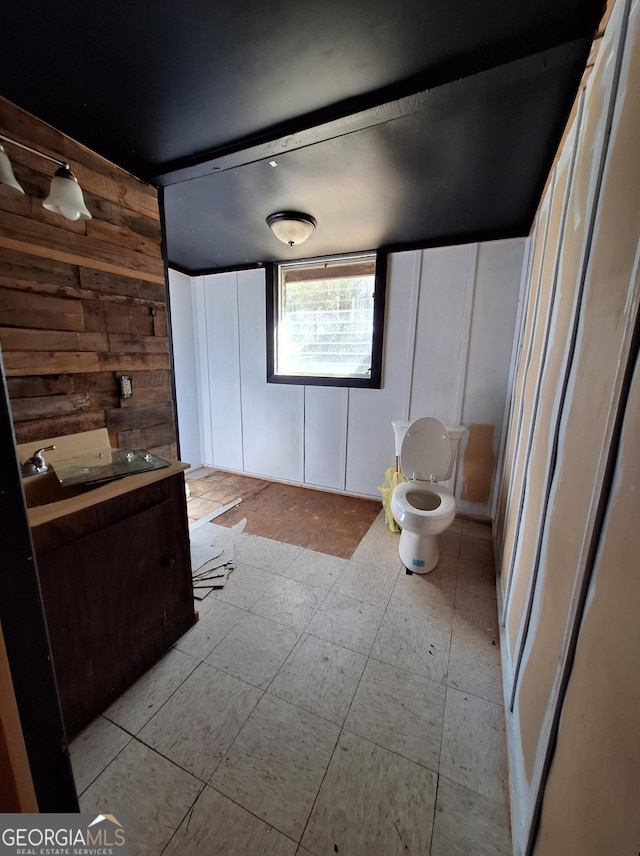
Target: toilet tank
455,433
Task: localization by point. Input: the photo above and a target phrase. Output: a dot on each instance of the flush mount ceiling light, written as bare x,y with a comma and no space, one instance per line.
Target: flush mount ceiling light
291,227
65,195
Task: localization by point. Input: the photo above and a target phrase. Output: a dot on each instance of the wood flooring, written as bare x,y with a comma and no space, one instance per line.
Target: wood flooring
326,522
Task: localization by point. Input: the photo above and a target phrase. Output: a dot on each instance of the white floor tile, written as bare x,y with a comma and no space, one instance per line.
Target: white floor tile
316,569
151,791
243,544
372,802
474,661
320,677
276,764
347,622
201,537
476,549
274,556
474,752
218,827
230,538
400,711
477,577
214,624
427,700
449,543
468,823
254,650
290,602
379,545
414,642
204,605
475,529
429,594
201,719
140,702
93,749
245,585
368,582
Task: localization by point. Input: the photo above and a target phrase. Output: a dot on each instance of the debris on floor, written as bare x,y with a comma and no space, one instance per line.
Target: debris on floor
210,567
212,559
205,581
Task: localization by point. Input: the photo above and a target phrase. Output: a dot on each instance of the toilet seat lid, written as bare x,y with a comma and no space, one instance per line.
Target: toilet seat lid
426,450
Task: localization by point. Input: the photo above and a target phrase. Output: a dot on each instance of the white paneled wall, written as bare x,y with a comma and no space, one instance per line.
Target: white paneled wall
181,295
493,310
490,332
272,414
370,445
450,316
325,427
442,332
221,356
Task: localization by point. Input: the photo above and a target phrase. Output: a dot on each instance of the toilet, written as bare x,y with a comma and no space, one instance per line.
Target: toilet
422,507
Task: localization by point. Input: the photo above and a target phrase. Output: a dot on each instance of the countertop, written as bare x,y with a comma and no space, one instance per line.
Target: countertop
92,496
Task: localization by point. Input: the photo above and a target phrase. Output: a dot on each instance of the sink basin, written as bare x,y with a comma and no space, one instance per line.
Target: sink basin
81,474
43,489
105,465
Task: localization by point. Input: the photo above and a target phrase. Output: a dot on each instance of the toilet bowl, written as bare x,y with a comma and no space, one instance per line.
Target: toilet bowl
422,507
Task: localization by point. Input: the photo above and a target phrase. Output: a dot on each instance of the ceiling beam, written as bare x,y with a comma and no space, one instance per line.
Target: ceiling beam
250,151
280,141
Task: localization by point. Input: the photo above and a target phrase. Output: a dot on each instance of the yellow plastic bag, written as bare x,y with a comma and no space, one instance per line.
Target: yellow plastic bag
392,479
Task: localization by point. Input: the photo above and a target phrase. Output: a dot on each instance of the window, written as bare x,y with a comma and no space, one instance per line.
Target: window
324,320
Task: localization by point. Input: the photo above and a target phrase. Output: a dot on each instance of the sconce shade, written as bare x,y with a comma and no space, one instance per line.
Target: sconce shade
65,196
291,227
8,184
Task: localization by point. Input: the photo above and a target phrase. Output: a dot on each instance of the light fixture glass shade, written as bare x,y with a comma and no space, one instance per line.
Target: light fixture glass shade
291,227
65,196
8,184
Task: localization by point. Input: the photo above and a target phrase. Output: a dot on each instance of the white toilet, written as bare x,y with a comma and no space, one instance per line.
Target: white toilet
422,507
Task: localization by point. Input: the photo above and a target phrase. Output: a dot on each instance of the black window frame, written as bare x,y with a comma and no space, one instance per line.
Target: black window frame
377,338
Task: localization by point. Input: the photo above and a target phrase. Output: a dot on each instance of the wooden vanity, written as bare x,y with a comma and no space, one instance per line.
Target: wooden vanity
115,575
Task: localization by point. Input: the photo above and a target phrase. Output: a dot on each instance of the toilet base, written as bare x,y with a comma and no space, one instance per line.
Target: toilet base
419,553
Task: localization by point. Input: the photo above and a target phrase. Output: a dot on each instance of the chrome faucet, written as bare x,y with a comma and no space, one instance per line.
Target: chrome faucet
36,463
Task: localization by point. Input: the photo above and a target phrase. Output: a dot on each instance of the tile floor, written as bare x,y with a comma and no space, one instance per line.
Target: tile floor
320,706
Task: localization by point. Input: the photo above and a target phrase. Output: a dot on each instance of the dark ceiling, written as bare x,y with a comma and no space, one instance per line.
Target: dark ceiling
395,124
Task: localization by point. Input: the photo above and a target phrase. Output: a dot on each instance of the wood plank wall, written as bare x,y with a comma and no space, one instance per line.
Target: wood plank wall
83,302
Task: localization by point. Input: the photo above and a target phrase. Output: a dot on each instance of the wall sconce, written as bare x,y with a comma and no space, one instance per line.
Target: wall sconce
65,195
291,227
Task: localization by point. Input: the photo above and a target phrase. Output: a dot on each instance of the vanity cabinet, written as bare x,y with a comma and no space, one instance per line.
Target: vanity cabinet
116,584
